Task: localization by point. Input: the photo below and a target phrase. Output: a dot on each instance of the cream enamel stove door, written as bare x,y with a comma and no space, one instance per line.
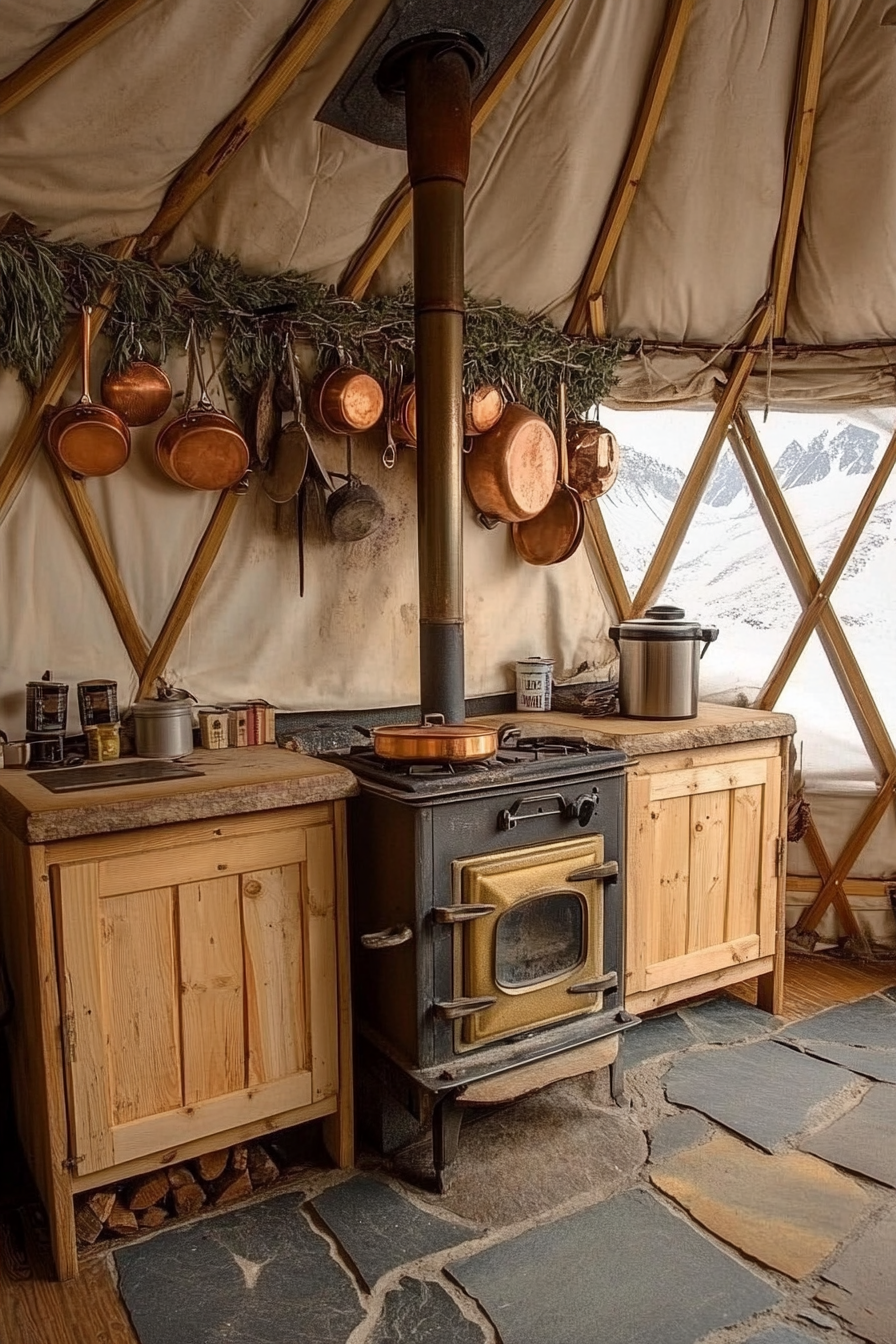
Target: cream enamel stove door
538,951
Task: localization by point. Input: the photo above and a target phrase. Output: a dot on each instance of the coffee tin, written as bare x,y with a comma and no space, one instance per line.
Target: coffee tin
45,748
98,702
533,683
46,706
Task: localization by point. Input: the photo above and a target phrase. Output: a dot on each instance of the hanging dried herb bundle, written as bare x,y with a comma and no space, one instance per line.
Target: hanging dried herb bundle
43,285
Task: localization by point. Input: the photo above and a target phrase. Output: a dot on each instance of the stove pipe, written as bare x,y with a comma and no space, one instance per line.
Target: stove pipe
435,74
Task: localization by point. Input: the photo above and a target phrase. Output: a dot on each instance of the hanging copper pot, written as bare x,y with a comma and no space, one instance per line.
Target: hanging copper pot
511,470
556,533
203,448
346,400
404,416
593,458
483,409
88,439
140,393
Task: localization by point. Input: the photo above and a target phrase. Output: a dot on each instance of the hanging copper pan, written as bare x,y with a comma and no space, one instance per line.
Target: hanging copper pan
404,416
435,740
483,409
346,400
593,458
89,439
140,392
203,448
511,471
555,533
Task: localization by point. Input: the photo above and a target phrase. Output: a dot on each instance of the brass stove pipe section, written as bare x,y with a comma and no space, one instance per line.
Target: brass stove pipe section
438,110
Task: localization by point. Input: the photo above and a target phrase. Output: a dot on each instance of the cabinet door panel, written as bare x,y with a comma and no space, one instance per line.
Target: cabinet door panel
211,987
276,1020
708,869
745,863
667,835
320,877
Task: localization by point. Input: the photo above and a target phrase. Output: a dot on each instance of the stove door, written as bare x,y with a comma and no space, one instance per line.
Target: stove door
540,948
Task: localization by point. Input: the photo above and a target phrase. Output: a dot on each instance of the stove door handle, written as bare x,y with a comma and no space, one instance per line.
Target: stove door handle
601,872
392,937
460,914
449,1010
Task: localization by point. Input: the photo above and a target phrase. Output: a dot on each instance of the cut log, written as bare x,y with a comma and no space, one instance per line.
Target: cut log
229,1188
263,1170
87,1225
147,1190
102,1202
152,1217
188,1199
121,1222
209,1166
239,1158
178,1176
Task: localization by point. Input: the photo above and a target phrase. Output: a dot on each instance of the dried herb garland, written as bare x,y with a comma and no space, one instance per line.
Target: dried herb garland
43,285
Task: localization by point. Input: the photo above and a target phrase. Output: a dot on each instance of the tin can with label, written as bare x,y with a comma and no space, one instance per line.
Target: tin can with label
103,742
533,683
46,706
45,748
98,702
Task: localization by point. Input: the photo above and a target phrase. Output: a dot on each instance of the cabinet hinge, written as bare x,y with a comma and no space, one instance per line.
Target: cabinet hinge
780,851
72,1163
68,1038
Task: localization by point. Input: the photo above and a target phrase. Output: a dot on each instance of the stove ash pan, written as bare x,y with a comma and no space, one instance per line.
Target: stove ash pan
487,924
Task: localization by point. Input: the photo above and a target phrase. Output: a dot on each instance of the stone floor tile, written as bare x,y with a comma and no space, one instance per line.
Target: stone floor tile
869,1022
817,1318
891,992
787,1211
622,1271
655,1036
864,1139
676,1132
724,1020
521,1161
763,1092
421,1312
259,1273
867,1060
782,1334
379,1229
862,1283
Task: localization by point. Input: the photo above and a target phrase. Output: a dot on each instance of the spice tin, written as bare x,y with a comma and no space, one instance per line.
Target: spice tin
533,683
46,706
163,727
103,742
213,724
98,702
45,748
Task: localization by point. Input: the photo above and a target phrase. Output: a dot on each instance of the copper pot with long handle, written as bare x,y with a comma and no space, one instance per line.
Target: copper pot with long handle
203,448
88,439
346,400
556,533
435,740
511,470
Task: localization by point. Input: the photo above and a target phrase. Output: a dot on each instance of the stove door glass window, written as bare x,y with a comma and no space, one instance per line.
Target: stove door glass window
538,946
539,939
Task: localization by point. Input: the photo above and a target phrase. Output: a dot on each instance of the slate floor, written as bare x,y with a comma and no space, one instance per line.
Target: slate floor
746,1195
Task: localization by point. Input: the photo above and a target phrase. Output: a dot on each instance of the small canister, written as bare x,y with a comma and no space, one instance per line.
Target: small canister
45,748
103,742
97,702
163,727
533,683
46,706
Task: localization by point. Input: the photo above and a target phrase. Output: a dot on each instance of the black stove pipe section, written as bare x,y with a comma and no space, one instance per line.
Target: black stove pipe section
436,73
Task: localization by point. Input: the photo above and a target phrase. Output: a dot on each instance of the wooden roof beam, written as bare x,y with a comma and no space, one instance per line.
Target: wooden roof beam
678,13
604,563
79,37
395,215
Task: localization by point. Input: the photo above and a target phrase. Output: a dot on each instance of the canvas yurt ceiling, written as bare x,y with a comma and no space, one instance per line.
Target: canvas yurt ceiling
90,154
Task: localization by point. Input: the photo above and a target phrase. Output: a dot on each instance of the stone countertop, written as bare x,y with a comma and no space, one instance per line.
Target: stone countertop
715,725
234,781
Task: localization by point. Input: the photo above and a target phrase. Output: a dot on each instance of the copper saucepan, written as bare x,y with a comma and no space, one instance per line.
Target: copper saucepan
593,458
435,740
346,400
203,448
140,392
404,416
511,470
556,533
89,439
483,409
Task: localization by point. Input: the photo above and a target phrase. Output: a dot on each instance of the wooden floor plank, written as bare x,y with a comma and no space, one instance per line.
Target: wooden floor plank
813,983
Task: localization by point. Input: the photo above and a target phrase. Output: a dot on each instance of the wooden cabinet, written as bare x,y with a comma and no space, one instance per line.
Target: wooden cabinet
705,853
194,979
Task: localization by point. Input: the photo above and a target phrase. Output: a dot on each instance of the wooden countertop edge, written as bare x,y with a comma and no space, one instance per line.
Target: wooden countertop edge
655,736
98,818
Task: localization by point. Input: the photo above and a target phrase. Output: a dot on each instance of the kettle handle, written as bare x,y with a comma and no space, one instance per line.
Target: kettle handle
709,634
613,633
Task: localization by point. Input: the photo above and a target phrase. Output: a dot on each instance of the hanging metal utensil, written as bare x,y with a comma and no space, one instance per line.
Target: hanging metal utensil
89,439
555,533
593,458
390,453
203,448
355,510
282,478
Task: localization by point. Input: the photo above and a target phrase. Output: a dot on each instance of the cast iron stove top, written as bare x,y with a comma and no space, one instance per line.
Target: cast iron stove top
517,758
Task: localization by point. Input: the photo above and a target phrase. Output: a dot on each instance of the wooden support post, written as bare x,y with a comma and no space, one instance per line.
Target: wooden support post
678,13
67,46
832,882
822,861
395,215
604,563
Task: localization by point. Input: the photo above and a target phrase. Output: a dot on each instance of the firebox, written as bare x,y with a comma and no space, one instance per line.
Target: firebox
487,919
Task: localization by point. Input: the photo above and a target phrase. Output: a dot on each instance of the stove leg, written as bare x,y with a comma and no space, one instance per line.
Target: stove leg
446,1122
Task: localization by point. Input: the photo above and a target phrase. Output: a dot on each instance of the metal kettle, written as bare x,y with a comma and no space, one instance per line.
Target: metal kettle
659,663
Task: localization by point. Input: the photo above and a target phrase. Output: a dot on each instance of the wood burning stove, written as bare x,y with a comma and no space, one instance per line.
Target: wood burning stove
487,919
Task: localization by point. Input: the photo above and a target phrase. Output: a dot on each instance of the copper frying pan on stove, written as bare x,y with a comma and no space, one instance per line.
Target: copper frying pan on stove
88,439
435,740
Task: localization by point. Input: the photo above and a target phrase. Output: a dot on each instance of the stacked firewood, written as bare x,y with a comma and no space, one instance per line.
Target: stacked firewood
146,1202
